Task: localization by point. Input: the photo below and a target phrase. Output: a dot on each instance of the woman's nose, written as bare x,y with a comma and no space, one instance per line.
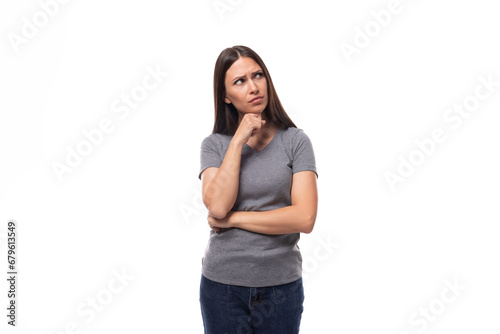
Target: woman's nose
253,86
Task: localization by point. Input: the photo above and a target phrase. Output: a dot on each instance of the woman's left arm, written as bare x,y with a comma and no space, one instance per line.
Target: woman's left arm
296,218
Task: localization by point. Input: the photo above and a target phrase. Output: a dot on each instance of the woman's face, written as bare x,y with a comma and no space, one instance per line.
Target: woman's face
246,87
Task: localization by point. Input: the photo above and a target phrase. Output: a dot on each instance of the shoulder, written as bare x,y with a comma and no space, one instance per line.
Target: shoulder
294,136
215,140
291,132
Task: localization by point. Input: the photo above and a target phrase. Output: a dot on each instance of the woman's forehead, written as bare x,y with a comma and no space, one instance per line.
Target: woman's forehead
243,66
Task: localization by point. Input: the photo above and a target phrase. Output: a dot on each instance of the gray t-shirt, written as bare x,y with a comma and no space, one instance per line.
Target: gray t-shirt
240,257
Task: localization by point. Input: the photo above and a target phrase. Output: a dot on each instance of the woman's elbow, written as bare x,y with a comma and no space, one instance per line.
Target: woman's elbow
217,213
213,210
308,225
215,207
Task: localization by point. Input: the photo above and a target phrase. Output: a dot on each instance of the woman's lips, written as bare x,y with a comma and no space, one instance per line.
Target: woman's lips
257,99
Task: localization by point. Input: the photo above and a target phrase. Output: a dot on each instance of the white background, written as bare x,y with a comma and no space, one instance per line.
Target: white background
133,205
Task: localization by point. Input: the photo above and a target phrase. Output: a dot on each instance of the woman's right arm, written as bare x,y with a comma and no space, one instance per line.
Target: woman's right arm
220,185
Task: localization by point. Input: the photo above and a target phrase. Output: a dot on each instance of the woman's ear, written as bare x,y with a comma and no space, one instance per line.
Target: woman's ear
227,100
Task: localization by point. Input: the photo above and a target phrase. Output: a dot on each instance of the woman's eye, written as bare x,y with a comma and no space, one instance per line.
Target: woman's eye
237,82
259,75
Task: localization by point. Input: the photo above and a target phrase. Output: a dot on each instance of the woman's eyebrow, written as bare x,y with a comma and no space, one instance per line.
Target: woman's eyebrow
242,76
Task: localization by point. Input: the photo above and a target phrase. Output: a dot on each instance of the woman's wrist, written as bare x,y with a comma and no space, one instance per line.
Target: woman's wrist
231,218
236,142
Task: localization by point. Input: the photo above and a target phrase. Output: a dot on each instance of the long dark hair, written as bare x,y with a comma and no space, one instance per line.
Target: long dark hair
226,115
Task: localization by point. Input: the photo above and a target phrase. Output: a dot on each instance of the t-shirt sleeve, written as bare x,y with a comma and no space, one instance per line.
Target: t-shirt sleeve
303,154
209,155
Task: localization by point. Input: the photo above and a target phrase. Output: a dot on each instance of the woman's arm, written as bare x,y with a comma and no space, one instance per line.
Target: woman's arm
220,185
299,217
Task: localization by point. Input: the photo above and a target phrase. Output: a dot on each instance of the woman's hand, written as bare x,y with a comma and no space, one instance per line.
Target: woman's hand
216,224
250,124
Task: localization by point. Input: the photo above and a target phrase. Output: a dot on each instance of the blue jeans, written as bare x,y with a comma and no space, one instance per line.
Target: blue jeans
230,309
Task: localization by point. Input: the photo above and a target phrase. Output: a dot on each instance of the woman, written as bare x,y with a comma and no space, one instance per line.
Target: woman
258,177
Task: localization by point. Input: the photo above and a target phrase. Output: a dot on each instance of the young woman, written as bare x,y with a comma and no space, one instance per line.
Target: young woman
258,177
